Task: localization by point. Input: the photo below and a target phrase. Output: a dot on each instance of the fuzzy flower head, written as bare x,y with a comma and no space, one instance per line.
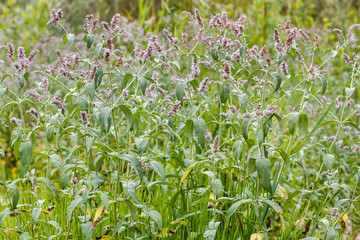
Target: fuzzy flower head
56,16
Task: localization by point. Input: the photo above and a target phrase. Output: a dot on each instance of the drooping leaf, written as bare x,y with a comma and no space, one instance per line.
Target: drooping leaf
159,169
235,206
134,162
186,173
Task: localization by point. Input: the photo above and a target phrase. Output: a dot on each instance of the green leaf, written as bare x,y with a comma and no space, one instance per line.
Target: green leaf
313,130
143,84
328,160
73,205
134,162
200,129
331,234
217,187
49,133
243,101
303,124
293,120
15,195
189,128
90,88
245,127
64,38
104,118
70,39
25,151
36,214
24,236
98,77
281,57
3,215
21,80
98,49
263,168
278,79
155,215
224,93
50,185
2,153
141,144
235,206
259,135
237,149
310,238
89,40
274,205
180,90
349,91
159,169
105,200
323,83
128,115
86,230
3,90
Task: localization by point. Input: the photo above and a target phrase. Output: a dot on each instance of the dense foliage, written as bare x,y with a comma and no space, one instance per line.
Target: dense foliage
199,134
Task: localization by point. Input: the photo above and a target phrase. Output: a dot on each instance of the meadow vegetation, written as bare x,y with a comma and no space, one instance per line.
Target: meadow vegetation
207,128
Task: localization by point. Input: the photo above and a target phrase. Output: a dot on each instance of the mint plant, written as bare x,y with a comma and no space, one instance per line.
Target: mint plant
194,135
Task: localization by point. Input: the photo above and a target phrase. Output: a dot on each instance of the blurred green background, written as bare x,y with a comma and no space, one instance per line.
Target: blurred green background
25,20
